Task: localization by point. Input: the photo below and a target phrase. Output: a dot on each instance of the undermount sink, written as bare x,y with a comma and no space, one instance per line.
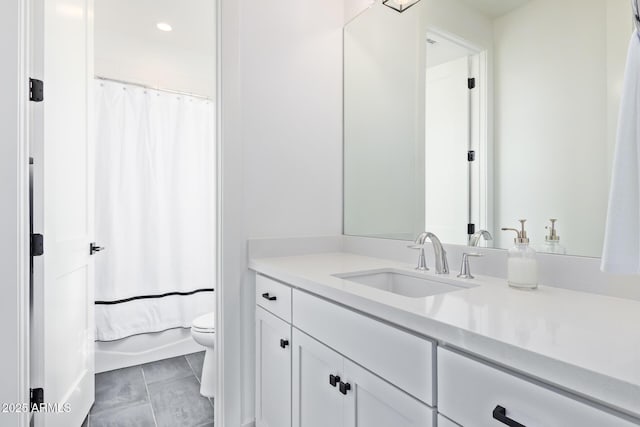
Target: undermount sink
414,285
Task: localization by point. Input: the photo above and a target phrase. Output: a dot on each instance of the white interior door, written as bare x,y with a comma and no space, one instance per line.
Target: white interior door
62,346
446,146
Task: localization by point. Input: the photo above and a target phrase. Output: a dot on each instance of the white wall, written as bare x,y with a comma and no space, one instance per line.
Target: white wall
291,59
129,47
281,160
13,247
352,8
555,90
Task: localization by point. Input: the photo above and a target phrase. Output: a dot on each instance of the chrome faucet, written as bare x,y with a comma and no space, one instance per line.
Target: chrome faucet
465,269
442,265
475,237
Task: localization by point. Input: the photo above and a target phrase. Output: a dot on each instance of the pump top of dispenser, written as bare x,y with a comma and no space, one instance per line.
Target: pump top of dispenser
521,238
553,234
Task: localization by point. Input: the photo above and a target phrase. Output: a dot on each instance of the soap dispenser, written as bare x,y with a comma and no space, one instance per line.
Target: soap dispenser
552,240
522,265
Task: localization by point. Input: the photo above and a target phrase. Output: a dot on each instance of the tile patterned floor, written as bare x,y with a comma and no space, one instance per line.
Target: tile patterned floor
165,393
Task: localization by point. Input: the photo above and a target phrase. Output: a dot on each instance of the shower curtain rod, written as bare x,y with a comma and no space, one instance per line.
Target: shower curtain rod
159,89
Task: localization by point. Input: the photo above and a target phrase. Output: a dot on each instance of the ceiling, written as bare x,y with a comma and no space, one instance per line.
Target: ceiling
129,47
494,8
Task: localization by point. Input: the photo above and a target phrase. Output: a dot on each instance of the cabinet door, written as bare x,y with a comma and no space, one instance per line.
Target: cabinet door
316,402
373,402
273,371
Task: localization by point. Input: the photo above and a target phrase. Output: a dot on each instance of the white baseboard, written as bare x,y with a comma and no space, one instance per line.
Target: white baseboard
144,348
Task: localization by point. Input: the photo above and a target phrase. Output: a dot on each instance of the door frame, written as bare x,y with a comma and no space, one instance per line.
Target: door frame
232,270
15,213
480,128
14,216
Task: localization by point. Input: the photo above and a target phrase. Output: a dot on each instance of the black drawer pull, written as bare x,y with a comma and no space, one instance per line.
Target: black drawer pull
344,387
334,380
284,343
269,297
500,414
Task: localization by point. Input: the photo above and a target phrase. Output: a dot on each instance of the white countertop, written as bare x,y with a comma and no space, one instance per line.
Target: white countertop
584,343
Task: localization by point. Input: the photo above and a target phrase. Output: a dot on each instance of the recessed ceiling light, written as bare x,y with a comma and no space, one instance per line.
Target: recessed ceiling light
163,26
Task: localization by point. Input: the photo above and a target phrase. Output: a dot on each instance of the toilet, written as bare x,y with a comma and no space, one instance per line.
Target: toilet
204,333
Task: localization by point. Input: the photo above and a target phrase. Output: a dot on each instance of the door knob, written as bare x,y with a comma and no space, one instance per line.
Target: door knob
93,248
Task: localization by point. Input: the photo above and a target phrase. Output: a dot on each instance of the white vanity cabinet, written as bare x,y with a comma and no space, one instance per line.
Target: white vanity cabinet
339,367
317,373
320,364
273,370
473,393
373,402
331,390
273,353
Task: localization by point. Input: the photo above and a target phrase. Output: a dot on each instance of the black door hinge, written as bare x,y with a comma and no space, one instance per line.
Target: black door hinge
471,155
471,83
471,229
37,244
36,90
37,397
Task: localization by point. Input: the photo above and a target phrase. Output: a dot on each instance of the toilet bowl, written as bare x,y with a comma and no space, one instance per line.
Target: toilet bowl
204,333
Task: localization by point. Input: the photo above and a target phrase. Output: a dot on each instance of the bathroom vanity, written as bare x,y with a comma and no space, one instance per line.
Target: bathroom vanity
461,118
337,344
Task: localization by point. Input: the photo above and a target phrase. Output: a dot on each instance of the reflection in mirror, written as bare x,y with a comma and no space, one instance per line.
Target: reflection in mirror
469,115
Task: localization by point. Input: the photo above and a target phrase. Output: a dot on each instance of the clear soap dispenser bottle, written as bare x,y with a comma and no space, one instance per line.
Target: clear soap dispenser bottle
522,265
552,240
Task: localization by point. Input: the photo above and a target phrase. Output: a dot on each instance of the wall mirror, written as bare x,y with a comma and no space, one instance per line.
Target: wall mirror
462,115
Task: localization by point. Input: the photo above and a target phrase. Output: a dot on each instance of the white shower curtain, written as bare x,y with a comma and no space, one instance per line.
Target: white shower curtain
155,210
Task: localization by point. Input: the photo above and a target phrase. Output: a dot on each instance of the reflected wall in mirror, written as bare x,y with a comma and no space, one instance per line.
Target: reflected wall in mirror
473,114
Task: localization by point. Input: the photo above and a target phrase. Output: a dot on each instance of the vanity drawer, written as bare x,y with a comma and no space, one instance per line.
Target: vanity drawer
402,359
274,297
470,391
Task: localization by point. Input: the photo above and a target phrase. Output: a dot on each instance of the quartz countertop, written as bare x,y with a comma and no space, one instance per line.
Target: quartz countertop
583,343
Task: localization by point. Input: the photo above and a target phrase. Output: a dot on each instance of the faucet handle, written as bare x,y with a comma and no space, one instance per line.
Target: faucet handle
422,259
465,269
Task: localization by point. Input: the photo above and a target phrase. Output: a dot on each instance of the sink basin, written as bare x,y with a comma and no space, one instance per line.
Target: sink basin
414,285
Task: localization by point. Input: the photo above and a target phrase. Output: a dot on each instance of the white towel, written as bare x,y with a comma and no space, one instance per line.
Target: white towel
621,252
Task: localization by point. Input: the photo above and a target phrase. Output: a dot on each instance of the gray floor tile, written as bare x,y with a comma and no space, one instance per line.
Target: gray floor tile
167,369
196,360
178,403
131,416
119,388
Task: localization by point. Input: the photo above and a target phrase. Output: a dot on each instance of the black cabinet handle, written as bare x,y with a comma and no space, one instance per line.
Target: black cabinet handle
344,387
334,380
284,343
269,297
500,414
